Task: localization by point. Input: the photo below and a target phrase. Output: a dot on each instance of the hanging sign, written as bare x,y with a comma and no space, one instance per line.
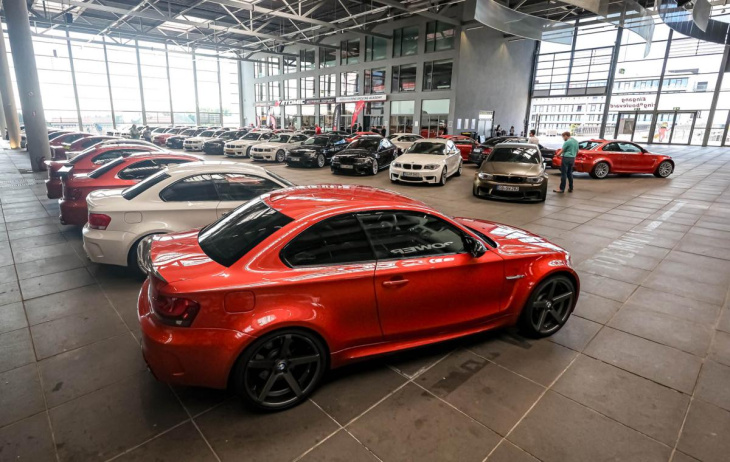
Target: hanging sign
354,99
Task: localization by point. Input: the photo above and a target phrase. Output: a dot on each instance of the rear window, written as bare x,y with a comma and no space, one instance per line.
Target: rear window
106,167
232,237
134,191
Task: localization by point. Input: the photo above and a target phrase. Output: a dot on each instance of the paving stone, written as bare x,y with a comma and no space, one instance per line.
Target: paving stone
704,435
720,349
595,308
179,444
576,333
508,452
12,317
341,447
20,394
16,349
70,302
56,282
29,439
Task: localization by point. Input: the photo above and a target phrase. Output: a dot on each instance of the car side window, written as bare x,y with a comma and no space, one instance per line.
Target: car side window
402,234
611,147
242,187
337,240
105,157
265,136
139,170
629,148
337,140
192,188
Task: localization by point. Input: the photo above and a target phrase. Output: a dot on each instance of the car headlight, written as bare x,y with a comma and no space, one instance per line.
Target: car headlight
397,165
485,176
431,166
534,179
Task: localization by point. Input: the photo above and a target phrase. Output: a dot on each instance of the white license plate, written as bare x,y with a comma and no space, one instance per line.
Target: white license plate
294,159
230,151
411,174
348,167
508,188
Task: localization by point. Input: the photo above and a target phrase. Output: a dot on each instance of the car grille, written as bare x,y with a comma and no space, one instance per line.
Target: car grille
349,160
412,167
509,179
261,150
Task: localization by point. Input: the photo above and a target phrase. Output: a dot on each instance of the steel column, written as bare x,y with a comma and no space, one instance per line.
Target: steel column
220,89
73,80
26,73
109,85
141,86
241,115
169,87
195,81
10,111
609,82
3,125
715,97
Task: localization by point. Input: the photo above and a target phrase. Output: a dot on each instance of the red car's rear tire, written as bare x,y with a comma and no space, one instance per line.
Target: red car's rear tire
600,170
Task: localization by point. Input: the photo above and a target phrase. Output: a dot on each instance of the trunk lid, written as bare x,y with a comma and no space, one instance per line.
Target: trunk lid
178,257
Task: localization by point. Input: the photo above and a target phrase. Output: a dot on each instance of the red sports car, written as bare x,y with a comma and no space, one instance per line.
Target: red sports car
85,162
357,135
58,150
309,278
601,157
465,144
119,173
84,143
161,139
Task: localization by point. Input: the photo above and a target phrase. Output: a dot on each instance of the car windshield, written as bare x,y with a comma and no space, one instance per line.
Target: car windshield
518,155
231,237
364,143
427,147
251,136
208,133
280,138
317,141
390,137
587,145
134,191
188,132
106,167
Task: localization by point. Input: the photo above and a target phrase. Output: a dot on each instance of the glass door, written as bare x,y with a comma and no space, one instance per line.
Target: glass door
663,127
684,123
625,126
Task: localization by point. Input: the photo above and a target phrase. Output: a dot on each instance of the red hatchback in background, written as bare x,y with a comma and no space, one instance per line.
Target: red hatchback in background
85,162
119,173
58,150
465,144
601,157
294,282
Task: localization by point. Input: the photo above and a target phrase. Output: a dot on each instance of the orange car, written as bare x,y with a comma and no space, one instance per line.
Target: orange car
601,157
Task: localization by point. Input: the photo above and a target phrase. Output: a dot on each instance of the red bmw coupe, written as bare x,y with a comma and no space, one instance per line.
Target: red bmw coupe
57,143
85,162
308,278
465,144
601,157
119,173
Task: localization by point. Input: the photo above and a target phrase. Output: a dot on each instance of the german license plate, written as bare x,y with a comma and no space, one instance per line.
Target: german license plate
508,188
348,167
410,174
294,159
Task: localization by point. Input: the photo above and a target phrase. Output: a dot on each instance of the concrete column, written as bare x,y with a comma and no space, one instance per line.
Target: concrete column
21,44
10,112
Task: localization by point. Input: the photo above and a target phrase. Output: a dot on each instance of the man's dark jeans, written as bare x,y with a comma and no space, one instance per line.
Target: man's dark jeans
566,171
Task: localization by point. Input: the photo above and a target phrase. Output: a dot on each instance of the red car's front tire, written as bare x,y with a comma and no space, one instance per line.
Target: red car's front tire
548,307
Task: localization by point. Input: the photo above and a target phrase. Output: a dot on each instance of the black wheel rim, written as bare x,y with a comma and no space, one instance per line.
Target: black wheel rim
282,370
552,305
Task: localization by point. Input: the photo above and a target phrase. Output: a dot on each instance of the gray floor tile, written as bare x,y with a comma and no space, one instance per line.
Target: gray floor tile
705,432
653,361
20,394
56,282
70,302
604,287
712,385
12,317
560,430
38,253
674,305
720,349
576,333
8,274
113,419
488,393
16,349
595,308
29,439
9,293
414,425
52,265
641,404
182,443
341,447
508,452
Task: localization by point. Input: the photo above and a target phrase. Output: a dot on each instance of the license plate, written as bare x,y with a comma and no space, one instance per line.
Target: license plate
410,174
230,151
508,188
348,167
294,159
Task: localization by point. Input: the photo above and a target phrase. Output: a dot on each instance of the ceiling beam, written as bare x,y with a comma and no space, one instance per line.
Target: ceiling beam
426,14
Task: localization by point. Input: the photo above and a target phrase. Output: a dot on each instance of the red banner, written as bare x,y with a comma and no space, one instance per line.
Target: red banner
358,109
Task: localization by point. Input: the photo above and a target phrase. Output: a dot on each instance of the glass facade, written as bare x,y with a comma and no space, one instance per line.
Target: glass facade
439,36
405,41
404,78
437,75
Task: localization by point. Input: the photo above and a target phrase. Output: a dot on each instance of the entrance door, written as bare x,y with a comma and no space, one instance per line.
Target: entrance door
634,126
433,125
625,126
683,125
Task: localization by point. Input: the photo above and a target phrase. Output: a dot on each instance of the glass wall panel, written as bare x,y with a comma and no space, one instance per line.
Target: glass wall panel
437,75
374,81
375,48
404,78
125,85
326,116
434,117
230,91
327,57
154,83
209,102
349,83
308,119
96,112
291,89
307,86
182,84
401,116
439,36
405,41
350,51
328,86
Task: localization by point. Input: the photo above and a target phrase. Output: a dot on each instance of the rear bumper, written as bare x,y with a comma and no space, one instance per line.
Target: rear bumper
187,355
107,247
54,188
73,212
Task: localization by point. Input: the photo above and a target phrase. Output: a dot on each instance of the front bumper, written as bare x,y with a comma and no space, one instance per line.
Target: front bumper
359,169
187,355
525,191
174,144
54,188
266,155
73,212
305,160
213,150
415,176
107,247
193,147
235,152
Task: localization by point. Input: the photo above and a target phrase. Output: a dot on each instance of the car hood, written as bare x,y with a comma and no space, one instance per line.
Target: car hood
239,143
420,159
513,241
311,148
178,256
199,138
358,153
178,137
216,141
270,145
511,168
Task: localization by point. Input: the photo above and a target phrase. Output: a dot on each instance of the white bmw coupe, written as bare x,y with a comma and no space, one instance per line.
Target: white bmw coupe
430,160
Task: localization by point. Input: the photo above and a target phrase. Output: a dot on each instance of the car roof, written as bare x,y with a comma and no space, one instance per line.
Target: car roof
112,146
299,201
155,154
516,145
433,140
217,167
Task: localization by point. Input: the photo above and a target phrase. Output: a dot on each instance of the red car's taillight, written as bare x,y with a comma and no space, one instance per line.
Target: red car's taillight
173,311
99,221
487,151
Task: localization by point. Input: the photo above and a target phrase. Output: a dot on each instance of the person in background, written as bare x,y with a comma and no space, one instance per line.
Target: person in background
570,150
532,139
317,130
383,131
498,131
147,134
512,131
134,132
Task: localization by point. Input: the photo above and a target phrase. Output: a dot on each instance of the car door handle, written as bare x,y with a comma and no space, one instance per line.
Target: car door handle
395,283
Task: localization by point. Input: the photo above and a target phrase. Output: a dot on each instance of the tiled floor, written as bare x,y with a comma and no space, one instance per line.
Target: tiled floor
639,373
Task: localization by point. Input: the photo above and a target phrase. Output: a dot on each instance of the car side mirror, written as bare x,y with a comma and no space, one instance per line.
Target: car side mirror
474,246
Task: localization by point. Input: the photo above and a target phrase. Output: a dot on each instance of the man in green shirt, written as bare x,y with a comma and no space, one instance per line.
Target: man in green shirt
570,150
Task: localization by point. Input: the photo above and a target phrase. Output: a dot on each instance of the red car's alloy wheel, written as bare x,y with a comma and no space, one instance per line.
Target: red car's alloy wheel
549,306
280,370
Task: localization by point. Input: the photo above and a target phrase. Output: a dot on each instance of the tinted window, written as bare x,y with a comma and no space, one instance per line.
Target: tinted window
410,235
613,147
231,237
105,157
252,136
192,188
280,138
145,168
520,155
317,141
240,187
364,143
427,147
105,168
333,241
628,147
134,191
587,144
298,138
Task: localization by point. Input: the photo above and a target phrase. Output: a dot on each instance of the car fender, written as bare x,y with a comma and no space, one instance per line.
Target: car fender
601,159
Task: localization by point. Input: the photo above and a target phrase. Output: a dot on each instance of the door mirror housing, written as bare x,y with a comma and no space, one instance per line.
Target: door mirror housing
474,246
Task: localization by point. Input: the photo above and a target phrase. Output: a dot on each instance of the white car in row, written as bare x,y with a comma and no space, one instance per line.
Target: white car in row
176,199
196,143
242,146
277,147
403,141
430,160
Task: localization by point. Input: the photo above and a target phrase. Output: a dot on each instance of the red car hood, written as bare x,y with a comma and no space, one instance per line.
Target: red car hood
177,257
512,241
